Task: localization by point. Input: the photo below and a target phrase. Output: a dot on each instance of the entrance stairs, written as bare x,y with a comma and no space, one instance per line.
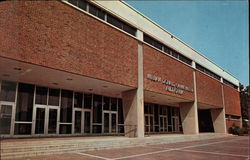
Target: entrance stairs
17,148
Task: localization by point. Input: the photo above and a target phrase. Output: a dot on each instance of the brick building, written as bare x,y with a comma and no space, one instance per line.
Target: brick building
80,67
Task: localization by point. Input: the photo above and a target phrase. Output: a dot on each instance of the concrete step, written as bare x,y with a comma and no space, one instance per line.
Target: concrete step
25,148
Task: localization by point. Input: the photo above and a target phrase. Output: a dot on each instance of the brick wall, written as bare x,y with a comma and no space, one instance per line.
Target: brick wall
58,36
161,65
232,101
209,90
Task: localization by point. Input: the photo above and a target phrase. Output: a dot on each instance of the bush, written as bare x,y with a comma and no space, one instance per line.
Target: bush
235,130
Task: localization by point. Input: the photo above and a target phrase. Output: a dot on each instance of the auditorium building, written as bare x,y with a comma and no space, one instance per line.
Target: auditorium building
90,68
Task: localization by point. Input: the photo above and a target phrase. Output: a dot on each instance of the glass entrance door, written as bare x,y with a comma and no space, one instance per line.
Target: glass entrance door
109,122
45,120
175,124
82,123
53,114
6,120
149,123
163,123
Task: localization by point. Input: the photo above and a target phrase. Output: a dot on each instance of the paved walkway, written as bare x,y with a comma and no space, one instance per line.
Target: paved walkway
228,148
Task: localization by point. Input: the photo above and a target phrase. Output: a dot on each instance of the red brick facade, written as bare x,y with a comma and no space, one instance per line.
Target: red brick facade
232,101
55,35
161,65
209,90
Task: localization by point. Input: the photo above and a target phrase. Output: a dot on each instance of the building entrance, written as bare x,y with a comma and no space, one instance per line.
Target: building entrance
205,121
45,120
82,121
6,119
149,123
109,122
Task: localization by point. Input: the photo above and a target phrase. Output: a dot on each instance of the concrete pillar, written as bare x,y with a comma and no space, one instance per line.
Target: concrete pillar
189,117
219,120
189,113
133,104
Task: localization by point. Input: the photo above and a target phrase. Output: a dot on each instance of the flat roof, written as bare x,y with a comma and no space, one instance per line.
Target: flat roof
129,14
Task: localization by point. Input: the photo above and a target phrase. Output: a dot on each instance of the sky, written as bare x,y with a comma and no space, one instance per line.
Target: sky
216,29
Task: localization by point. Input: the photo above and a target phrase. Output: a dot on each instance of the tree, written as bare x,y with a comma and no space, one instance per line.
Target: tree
245,104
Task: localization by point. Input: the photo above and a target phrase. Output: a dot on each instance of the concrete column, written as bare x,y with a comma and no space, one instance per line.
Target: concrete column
219,121
189,113
133,104
189,117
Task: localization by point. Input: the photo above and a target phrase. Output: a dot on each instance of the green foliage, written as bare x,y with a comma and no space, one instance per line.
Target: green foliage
235,130
245,102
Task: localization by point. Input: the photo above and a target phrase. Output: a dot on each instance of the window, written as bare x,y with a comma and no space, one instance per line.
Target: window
87,100
152,42
78,100
97,109
185,59
166,49
79,3
66,106
229,84
206,71
8,91
113,104
114,21
41,95
96,11
54,97
106,103
24,106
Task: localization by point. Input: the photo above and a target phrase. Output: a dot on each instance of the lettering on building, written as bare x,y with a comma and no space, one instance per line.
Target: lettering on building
170,86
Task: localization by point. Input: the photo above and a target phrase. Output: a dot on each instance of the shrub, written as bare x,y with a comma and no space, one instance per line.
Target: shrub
235,130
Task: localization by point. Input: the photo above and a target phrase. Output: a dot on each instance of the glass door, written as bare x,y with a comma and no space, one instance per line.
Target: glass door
6,119
40,120
82,122
53,118
78,121
149,123
87,121
175,124
163,123
109,122
45,120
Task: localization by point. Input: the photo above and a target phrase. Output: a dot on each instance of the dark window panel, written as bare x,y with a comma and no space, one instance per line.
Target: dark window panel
54,97
78,100
22,129
8,91
87,101
175,54
65,129
96,11
167,50
230,84
129,29
24,106
106,103
66,106
114,21
41,95
120,112
82,4
113,104
74,2
97,129
158,45
185,59
97,109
